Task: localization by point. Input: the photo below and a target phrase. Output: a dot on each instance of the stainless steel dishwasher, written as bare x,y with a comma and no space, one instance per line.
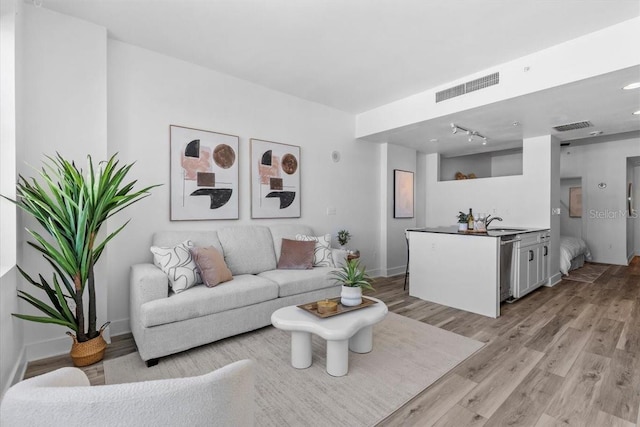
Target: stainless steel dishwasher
507,248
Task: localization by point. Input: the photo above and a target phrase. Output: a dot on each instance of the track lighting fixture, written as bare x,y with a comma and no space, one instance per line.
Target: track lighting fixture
470,133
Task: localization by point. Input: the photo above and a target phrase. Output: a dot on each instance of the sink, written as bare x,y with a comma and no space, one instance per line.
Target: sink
506,230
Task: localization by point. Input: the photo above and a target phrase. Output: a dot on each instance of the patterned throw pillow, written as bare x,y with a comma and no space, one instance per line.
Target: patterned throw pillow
322,252
177,263
211,266
296,255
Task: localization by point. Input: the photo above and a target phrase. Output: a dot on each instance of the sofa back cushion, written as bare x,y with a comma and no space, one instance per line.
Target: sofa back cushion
200,239
286,231
247,249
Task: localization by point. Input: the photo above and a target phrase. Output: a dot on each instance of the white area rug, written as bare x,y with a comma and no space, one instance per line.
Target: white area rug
407,357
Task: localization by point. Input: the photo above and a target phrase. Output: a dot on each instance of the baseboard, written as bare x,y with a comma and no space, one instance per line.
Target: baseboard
630,258
17,373
119,327
375,273
48,348
554,280
396,270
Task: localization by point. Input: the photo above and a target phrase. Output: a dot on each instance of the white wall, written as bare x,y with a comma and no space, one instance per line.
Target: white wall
12,359
636,202
522,200
507,163
630,218
149,91
421,189
569,226
64,110
603,161
392,234
478,164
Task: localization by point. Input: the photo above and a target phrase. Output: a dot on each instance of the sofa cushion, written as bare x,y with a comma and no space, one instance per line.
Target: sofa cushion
199,238
296,255
322,249
177,263
286,231
247,249
211,266
243,290
293,282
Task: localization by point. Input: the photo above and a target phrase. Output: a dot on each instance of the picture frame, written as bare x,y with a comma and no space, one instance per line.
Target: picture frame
575,202
403,194
204,174
275,179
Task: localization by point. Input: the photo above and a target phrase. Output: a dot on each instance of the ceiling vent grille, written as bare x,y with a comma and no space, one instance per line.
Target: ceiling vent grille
573,126
471,86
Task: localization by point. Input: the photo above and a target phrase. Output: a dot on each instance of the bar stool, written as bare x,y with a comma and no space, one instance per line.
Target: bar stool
406,273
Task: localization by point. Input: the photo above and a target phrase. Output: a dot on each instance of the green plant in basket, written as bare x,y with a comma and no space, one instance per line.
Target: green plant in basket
71,206
352,275
463,217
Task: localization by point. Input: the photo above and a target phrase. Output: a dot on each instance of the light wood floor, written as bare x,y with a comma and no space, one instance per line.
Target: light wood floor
567,355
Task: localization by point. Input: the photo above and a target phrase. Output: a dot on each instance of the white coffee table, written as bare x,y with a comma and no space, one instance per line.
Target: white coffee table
349,331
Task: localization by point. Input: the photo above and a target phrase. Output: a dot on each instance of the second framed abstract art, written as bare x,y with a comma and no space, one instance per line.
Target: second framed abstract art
204,174
275,180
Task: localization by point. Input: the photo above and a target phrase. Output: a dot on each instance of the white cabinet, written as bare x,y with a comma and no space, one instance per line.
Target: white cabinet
532,263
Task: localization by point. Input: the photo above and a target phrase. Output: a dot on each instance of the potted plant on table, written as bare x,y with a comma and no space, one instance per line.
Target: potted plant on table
463,220
353,279
343,238
71,207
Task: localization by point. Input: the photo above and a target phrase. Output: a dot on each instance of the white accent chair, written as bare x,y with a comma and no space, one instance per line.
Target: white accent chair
224,397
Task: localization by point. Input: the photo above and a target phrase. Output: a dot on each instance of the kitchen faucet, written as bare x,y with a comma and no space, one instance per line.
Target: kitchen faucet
490,219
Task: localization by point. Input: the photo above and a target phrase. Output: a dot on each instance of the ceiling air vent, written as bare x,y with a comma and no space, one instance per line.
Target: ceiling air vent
452,92
471,86
573,126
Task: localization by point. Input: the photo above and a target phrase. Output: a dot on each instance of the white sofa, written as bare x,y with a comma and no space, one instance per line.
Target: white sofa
224,397
164,322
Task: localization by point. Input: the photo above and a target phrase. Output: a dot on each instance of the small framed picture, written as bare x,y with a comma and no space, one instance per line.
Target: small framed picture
575,202
402,194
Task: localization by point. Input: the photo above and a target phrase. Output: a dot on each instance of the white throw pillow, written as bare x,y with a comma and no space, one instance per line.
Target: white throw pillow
322,252
177,263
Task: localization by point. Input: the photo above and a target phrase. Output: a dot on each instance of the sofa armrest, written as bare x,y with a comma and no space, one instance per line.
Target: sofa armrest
339,257
147,283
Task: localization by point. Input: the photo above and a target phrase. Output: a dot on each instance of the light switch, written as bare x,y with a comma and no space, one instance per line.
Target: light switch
331,211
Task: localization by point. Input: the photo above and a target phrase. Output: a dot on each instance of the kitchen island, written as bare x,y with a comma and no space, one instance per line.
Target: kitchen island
463,269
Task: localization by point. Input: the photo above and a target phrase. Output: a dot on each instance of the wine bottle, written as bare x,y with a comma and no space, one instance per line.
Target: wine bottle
470,221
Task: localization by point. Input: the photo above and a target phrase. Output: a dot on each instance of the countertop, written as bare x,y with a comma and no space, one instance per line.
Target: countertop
494,231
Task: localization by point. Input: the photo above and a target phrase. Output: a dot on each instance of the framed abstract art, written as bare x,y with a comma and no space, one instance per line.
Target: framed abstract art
402,194
275,180
575,202
204,174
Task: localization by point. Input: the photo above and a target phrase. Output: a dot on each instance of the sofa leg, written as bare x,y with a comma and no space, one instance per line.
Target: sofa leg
151,362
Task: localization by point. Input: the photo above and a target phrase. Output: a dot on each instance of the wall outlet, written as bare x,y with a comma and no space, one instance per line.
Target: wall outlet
331,211
555,211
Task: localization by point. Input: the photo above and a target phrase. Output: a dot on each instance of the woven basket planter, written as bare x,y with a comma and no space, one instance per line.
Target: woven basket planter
88,352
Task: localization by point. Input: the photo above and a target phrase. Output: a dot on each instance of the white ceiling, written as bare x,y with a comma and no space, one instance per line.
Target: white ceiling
355,55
